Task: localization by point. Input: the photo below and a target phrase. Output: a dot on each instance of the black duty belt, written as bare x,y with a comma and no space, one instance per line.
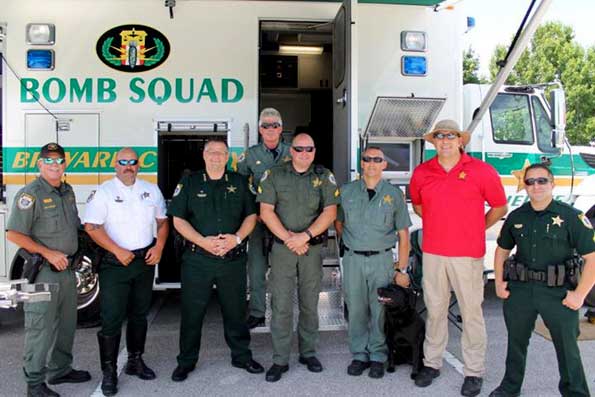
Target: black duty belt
313,241
231,254
368,253
142,252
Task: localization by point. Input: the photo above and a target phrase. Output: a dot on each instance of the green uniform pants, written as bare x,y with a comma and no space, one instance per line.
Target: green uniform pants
285,268
125,291
520,312
257,270
50,327
199,274
363,275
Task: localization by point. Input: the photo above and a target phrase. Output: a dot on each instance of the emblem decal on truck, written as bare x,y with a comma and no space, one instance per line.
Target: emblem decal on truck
132,48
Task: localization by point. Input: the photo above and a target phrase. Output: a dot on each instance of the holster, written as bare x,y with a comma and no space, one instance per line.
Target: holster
32,264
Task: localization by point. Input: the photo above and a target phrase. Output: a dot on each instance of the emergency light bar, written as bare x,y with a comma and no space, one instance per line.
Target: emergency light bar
414,65
40,59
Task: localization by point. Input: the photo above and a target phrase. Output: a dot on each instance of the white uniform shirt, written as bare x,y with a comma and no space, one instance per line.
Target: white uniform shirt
128,213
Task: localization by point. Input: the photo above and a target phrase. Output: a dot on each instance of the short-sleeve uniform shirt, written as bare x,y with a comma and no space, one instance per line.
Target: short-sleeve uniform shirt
547,237
128,213
256,160
47,214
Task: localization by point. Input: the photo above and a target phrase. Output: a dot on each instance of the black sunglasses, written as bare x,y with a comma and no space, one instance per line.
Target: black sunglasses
266,126
368,159
125,162
299,149
540,181
441,135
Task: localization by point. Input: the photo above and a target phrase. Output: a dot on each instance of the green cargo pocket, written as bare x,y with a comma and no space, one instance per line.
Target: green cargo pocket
35,314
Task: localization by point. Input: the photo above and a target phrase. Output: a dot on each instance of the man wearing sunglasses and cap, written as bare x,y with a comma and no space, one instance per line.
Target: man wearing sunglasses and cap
298,202
253,163
44,220
126,217
449,193
372,216
546,234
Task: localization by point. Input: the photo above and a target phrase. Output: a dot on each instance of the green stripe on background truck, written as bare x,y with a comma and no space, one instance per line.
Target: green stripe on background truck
163,80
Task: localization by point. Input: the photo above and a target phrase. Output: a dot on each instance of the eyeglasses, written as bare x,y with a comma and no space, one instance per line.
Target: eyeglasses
125,162
299,149
540,181
266,126
216,153
369,159
441,135
52,160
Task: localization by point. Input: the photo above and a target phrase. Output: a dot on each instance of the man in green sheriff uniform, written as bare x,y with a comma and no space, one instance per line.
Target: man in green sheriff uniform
44,220
215,212
546,233
253,164
298,202
371,216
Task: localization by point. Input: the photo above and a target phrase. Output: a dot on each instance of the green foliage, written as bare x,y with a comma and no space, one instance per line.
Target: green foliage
553,52
471,67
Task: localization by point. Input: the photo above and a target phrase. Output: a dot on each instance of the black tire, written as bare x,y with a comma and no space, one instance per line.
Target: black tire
87,282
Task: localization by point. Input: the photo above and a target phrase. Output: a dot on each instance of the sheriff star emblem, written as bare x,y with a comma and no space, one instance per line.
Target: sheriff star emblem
462,175
520,174
145,195
388,199
232,189
556,220
316,182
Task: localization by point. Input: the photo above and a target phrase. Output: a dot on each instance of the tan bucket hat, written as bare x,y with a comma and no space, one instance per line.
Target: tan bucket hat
448,126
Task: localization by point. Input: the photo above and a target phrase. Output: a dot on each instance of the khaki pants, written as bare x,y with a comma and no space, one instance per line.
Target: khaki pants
464,275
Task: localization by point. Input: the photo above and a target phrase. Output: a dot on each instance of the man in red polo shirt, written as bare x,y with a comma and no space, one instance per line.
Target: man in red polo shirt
449,193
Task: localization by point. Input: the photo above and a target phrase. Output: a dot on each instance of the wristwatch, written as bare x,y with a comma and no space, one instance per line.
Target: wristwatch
308,233
402,271
238,239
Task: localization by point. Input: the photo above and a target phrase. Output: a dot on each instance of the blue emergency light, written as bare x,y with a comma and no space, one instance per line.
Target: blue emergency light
414,65
40,59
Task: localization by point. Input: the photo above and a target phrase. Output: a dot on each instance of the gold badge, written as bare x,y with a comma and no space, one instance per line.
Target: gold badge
47,200
462,175
337,193
316,182
388,199
232,189
260,189
556,220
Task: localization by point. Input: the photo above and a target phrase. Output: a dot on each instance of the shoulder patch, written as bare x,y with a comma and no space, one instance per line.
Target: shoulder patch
264,176
242,157
331,178
91,196
178,189
25,201
585,221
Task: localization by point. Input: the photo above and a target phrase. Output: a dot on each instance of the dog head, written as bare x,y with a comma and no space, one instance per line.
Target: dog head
396,297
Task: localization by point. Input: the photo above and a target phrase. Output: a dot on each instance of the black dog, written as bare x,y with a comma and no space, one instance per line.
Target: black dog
404,328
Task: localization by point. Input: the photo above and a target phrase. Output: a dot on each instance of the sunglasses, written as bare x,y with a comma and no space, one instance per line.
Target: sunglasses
299,149
441,135
266,126
125,162
51,160
369,159
540,181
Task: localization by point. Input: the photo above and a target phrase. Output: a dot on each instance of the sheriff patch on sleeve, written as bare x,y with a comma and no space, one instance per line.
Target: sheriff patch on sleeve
178,189
25,201
585,221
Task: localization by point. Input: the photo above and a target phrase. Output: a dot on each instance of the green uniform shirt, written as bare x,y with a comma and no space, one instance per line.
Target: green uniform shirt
256,160
547,237
372,225
213,206
47,214
298,198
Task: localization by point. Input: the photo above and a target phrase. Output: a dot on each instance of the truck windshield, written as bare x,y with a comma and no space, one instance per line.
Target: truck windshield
511,119
543,126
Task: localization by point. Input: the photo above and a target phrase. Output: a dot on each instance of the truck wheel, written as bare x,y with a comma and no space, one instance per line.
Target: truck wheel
87,287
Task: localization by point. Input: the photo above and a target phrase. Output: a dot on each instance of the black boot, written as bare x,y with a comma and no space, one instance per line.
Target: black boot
108,354
135,343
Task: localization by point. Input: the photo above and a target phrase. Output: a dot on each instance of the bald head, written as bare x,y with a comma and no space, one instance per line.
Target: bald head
127,165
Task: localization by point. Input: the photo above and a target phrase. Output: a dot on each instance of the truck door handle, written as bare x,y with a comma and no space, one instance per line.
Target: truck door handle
343,99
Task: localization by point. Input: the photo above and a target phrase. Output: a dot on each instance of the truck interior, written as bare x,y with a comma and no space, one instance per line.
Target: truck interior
295,61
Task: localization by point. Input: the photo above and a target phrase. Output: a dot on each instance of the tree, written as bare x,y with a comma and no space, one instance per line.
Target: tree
471,67
553,53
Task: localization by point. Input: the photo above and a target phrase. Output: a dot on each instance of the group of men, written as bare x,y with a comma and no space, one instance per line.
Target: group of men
224,217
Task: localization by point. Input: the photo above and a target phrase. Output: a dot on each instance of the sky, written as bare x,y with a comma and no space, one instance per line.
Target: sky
497,21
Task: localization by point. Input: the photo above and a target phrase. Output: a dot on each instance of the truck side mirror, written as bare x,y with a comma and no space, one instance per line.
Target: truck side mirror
558,106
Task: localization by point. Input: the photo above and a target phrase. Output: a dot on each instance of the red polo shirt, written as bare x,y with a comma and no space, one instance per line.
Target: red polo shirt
453,205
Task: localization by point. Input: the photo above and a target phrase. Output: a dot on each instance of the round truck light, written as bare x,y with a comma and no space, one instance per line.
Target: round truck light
413,41
41,33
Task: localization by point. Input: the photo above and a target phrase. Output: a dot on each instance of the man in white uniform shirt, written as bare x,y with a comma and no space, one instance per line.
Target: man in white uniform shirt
127,217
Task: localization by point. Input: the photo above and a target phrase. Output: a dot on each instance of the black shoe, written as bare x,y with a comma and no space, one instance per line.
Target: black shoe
136,366
40,390
500,392
108,354
250,366
471,386
376,370
74,376
181,373
254,322
274,373
312,363
426,376
357,367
